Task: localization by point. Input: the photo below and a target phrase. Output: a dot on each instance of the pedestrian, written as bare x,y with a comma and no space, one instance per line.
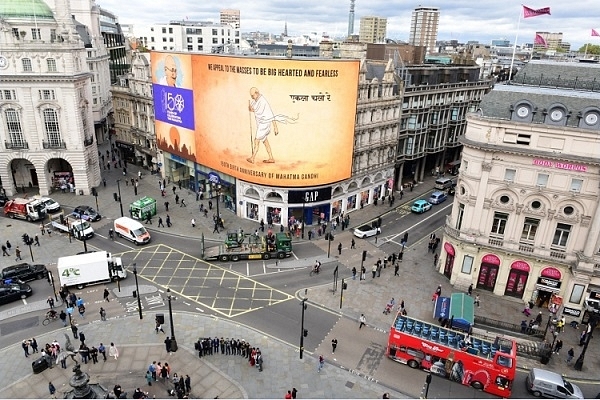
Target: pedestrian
4,252
50,302
42,229
182,203
82,338
18,254
294,393
362,320
94,354
167,344
288,395
148,218
102,314
160,222
106,294
396,269
51,389
166,206
176,199
470,290
216,229
476,301
113,351
74,330
401,254
570,355
168,219
435,259
149,377
374,270
193,221
102,350
63,317
8,245
353,244
36,239
340,249
158,326
334,343
558,346
81,310
104,181
353,273
188,384
321,363
25,346
363,273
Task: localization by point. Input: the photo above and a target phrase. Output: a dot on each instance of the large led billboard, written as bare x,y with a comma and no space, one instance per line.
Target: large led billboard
277,122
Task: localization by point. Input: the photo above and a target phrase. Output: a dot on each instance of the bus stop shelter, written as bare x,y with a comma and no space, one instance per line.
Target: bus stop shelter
139,209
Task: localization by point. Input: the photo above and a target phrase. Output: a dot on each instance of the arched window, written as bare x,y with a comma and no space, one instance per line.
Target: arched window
14,129
52,129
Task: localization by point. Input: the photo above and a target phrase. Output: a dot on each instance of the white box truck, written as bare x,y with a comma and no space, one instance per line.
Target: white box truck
78,228
90,269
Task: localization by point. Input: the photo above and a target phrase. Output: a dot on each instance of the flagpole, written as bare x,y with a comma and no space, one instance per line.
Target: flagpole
512,60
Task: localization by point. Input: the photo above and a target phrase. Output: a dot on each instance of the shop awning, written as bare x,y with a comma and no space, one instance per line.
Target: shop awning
547,288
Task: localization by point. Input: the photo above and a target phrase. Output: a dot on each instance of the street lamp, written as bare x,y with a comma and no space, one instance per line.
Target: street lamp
592,322
119,190
51,279
329,237
218,191
303,332
137,288
81,233
173,341
303,215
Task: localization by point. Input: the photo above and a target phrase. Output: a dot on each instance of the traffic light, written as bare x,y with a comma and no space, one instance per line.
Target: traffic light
344,285
27,240
305,333
331,237
94,192
364,256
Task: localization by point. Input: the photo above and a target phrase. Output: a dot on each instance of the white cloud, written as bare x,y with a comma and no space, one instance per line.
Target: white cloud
463,20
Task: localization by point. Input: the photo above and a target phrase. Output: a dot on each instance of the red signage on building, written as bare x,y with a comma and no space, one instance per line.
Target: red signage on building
551,272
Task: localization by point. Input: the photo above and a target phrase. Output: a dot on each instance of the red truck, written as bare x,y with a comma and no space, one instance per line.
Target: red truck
27,209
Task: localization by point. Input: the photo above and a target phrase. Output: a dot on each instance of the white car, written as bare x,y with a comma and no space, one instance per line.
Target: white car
51,205
365,231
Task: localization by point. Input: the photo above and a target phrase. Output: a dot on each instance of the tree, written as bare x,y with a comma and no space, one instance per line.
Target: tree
591,48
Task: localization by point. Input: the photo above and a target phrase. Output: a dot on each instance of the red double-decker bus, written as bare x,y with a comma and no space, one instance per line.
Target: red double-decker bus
486,365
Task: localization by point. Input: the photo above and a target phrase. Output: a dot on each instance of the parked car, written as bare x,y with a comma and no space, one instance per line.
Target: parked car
420,206
365,231
437,197
24,272
14,291
87,213
51,205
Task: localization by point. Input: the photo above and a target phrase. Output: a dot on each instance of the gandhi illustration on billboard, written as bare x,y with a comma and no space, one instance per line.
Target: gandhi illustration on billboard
265,119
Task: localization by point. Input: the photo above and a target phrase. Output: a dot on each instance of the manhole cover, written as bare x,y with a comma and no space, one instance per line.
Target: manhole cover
349,385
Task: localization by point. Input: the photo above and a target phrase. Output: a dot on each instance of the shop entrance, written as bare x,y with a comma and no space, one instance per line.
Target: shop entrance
449,260
517,279
488,272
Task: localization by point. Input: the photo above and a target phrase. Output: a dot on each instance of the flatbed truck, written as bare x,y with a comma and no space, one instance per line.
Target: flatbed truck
241,246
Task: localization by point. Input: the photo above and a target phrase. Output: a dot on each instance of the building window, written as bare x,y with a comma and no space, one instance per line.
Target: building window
190,47
576,185
542,180
164,30
215,40
214,32
200,47
8,94
164,40
15,32
499,224
84,120
460,215
13,127
170,30
27,65
576,294
200,40
561,235
530,228
51,62
467,265
36,34
47,94
509,175
189,39
170,40
52,129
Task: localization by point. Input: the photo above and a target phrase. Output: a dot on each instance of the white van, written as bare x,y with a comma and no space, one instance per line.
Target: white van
444,183
131,230
550,384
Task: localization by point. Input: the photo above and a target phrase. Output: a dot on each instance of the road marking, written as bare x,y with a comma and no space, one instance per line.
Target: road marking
417,224
115,241
295,256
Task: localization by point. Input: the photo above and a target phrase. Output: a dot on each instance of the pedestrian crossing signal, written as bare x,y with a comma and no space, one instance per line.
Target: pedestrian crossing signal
305,333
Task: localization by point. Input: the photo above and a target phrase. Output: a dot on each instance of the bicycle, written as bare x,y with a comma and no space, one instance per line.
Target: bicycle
316,269
50,317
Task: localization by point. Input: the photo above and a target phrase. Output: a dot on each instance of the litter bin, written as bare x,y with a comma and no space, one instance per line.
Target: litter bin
39,365
116,196
160,318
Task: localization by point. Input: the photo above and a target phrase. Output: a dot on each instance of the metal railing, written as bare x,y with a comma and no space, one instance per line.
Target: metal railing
16,145
508,326
56,144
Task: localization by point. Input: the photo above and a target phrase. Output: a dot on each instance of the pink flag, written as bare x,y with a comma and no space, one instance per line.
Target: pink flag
594,33
540,40
530,12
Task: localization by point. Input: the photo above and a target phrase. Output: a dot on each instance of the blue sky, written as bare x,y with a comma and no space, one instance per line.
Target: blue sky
462,20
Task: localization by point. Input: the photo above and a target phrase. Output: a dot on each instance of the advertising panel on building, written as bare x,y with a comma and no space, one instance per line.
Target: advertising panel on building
278,122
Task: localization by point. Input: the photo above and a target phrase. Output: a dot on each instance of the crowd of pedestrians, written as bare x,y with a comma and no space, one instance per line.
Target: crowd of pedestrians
181,385
209,346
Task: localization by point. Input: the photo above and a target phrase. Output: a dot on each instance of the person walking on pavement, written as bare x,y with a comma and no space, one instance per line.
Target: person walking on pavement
4,252
106,294
52,390
63,317
158,326
148,218
216,227
166,206
374,270
36,239
193,222
570,355
176,199
182,203
321,363
74,330
362,320
363,273
42,229
396,268
102,314
476,301
160,222
353,244
353,273
113,351
340,249
50,302
334,343
18,254
168,221
102,350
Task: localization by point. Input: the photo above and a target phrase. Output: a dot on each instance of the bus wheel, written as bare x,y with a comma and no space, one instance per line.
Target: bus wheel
280,255
477,385
224,258
413,364
235,258
266,256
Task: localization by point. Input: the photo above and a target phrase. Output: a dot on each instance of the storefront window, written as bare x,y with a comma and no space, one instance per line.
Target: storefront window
364,198
273,216
252,211
467,265
336,207
351,203
576,294
376,193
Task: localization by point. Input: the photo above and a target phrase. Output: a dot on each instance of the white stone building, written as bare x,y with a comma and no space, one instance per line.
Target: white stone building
46,109
526,218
